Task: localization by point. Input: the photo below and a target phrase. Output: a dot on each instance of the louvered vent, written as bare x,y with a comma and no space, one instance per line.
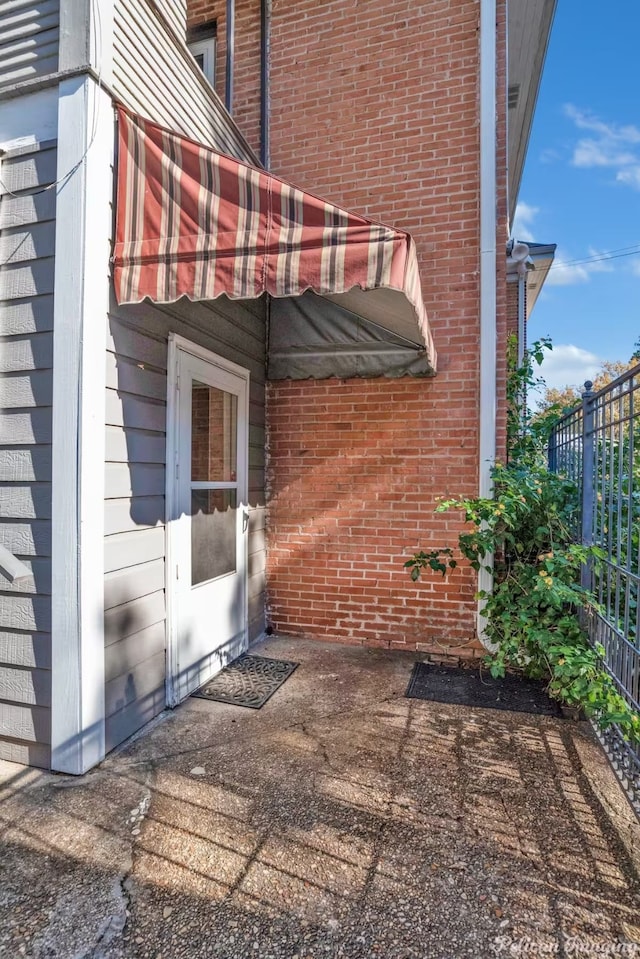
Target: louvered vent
513,95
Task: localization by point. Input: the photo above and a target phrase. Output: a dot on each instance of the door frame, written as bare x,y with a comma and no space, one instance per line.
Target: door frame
179,344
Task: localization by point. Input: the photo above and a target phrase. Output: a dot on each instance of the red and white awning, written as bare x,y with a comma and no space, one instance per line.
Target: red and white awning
193,222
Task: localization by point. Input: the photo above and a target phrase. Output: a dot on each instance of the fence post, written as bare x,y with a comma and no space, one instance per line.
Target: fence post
588,478
552,463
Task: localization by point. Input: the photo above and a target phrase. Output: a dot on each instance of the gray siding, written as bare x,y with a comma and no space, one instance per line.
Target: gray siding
135,608
27,237
156,77
29,34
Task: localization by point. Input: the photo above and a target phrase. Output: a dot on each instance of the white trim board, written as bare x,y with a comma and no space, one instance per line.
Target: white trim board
171,460
29,119
83,232
488,265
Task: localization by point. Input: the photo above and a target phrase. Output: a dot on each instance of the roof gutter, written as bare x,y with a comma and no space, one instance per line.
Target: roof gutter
231,55
488,281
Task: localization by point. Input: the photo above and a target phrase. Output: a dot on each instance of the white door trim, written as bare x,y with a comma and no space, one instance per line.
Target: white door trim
179,344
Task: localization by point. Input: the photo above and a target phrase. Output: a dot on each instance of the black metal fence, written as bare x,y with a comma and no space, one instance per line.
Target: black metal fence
598,446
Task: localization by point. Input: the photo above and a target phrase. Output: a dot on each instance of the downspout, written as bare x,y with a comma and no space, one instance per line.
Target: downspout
522,279
488,251
520,255
230,58
265,43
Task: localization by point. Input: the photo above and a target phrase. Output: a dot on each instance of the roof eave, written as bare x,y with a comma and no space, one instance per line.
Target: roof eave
529,29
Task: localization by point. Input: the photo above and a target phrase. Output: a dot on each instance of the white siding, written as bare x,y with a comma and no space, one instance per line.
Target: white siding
157,78
27,234
175,12
135,481
29,35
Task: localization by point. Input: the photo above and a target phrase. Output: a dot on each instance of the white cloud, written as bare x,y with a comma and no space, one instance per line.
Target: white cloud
630,176
567,270
585,120
523,222
569,365
635,267
611,145
565,273
590,153
603,265
549,155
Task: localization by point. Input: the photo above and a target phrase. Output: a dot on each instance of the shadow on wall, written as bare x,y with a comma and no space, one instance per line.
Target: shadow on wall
135,608
135,617
352,495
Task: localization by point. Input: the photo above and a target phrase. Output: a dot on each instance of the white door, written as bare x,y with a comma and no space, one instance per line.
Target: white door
207,515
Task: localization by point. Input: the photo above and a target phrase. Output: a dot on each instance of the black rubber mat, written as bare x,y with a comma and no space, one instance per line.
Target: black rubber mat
470,687
250,681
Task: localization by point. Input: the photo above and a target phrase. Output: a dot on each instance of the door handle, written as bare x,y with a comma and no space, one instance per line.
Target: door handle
245,520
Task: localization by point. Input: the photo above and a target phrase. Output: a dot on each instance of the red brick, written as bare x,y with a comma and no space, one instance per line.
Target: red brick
376,108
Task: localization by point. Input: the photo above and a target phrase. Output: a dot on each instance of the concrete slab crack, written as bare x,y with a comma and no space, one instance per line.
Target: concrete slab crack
317,741
115,923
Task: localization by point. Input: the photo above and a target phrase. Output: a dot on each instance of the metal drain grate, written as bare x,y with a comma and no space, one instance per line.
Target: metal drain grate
250,681
467,687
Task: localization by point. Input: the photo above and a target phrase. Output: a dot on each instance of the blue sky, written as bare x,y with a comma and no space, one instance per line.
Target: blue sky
581,188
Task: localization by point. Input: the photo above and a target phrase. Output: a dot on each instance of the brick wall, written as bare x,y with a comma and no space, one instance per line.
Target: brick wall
246,80
213,434
376,107
512,306
355,468
511,289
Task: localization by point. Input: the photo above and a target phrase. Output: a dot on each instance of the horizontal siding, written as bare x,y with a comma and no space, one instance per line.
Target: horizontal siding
23,317
124,550
27,686
123,691
175,13
27,242
29,39
136,614
118,585
28,724
123,656
121,724
26,539
18,389
154,75
28,650
39,583
29,754
135,607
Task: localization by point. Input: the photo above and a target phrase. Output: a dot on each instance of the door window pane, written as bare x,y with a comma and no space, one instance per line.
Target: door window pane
213,534
214,424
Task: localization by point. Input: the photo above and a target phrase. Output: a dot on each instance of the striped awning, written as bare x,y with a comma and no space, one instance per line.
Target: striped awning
193,222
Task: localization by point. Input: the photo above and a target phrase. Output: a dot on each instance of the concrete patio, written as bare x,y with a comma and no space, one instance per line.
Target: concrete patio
339,820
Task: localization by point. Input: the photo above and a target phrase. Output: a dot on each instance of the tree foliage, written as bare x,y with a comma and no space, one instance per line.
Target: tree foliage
569,396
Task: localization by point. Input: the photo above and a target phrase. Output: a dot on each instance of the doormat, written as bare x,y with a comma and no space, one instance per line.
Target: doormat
249,681
468,687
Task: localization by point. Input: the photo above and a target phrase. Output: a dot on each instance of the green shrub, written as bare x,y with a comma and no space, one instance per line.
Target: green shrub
523,534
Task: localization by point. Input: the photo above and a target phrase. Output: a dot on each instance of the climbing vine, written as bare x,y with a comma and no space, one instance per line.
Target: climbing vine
533,613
